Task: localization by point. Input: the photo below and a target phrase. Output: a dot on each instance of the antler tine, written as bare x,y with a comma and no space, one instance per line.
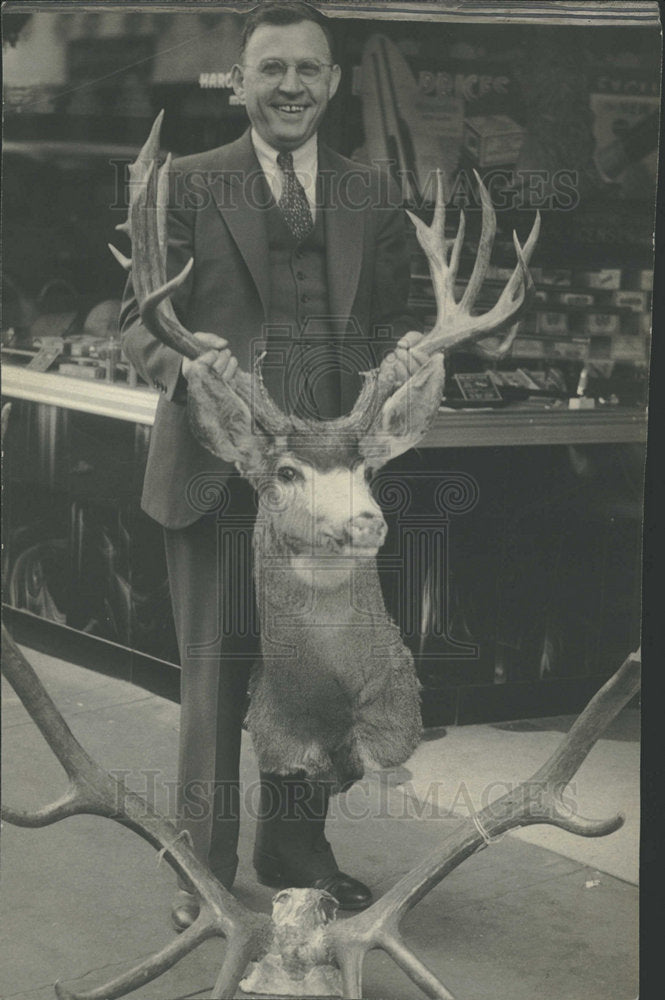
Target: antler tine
516,294
145,971
5,414
439,218
68,804
584,827
148,196
500,352
432,239
520,284
457,248
485,245
587,729
515,298
150,312
416,970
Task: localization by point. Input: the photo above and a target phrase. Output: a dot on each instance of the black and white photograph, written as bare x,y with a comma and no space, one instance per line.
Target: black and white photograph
326,356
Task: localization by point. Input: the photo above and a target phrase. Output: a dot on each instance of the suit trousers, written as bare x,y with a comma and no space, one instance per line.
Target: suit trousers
212,594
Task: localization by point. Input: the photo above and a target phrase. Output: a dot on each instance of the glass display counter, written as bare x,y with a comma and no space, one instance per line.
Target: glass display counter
524,593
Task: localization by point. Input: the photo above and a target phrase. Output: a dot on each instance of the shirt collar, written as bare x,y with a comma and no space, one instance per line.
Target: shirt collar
304,158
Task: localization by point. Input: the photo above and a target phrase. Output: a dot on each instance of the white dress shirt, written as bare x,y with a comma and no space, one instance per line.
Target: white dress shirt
305,164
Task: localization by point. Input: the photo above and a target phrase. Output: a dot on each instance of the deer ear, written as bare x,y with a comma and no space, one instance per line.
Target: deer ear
223,423
406,415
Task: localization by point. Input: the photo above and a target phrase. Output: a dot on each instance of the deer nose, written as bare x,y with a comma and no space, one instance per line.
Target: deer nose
367,530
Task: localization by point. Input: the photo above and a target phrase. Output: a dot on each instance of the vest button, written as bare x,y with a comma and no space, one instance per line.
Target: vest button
300,275
300,254
304,298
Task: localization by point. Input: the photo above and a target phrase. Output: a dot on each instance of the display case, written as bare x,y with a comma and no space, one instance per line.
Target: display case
524,530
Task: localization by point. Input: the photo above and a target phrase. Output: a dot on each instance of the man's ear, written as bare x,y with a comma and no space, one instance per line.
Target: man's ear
406,416
335,77
238,82
222,422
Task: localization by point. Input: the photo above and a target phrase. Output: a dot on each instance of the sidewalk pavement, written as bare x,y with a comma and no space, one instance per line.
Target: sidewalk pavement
539,914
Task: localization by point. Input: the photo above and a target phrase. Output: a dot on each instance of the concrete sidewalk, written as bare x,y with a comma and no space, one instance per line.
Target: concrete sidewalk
84,899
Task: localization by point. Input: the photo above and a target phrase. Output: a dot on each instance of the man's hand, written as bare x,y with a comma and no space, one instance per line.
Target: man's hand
217,356
406,359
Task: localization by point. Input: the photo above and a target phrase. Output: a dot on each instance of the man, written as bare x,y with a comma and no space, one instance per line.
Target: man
286,236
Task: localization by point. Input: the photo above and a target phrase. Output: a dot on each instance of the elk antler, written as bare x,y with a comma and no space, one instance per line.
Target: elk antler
455,323
537,800
93,790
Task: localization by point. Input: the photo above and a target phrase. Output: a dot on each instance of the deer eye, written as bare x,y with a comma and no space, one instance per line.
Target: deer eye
287,473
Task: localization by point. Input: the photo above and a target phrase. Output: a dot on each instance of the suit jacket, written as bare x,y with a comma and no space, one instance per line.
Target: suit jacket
215,216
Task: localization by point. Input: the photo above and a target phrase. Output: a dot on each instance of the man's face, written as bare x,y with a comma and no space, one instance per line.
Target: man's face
286,112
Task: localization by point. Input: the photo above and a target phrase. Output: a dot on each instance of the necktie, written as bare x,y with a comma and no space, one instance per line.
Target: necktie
293,204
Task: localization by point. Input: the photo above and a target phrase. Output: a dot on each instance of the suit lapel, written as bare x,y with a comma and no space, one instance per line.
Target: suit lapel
344,230
240,193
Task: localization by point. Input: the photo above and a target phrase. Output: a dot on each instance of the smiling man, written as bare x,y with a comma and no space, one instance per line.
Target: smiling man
286,79
301,253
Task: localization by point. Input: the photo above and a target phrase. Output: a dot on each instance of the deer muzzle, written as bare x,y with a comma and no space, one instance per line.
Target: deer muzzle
361,536
367,531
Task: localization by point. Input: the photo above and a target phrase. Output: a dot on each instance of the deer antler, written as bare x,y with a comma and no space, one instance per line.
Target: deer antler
455,322
146,226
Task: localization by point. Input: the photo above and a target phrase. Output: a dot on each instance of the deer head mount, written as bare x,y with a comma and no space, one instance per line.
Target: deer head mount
325,632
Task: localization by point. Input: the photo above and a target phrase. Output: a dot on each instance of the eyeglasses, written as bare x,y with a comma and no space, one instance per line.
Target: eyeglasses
274,70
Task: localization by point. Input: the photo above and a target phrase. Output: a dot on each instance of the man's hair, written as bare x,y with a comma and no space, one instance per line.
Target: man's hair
279,13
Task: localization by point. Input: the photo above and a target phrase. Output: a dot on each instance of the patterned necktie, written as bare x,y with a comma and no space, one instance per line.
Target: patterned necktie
293,204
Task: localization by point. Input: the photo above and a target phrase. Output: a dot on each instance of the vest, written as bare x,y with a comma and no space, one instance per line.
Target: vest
301,366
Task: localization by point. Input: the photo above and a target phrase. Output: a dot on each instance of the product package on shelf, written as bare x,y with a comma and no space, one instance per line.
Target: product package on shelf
492,140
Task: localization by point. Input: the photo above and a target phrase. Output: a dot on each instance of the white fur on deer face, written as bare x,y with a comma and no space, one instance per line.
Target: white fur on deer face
312,478
321,506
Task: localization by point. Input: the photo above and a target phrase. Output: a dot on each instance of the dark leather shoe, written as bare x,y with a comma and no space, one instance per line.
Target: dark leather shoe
349,892
184,911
